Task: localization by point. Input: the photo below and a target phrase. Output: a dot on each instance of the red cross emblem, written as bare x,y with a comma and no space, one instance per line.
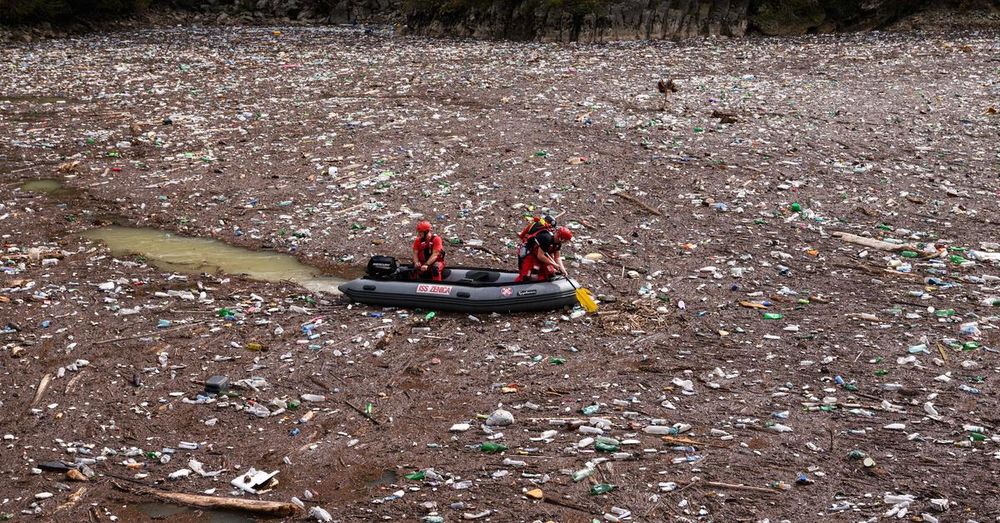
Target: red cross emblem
506,292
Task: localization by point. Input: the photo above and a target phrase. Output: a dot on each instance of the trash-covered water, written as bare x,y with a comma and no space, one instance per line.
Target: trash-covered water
170,252
167,511
795,322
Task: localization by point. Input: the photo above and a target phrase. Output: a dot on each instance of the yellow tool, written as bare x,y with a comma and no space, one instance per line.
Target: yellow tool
585,298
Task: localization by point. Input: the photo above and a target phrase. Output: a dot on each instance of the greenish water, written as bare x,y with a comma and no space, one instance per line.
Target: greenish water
170,252
43,186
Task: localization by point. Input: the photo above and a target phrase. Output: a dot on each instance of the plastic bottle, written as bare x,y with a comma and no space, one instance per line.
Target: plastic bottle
601,488
773,316
602,445
661,430
965,388
490,447
582,474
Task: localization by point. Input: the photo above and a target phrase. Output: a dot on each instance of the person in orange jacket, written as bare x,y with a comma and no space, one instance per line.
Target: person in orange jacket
542,260
428,253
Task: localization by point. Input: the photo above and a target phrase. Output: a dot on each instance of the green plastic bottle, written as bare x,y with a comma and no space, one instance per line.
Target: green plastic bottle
773,316
605,446
492,448
601,488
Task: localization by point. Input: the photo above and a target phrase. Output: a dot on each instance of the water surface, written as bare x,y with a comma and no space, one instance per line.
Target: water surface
174,253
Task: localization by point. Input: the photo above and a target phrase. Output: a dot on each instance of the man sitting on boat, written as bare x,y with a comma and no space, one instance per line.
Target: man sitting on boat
541,260
428,254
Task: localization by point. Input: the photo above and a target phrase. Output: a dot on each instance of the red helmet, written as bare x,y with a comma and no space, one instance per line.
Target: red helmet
563,234
424,226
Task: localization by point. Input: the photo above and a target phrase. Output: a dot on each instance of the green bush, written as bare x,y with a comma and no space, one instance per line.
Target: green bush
35,11
778,16
449,8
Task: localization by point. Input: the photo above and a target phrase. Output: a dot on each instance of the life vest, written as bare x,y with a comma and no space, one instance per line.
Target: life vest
524,251
426,249
537,225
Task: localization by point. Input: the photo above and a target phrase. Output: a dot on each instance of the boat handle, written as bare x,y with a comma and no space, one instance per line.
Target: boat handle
463,294
369,287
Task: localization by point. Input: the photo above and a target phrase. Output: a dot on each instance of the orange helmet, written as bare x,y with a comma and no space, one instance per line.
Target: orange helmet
563,234
424,226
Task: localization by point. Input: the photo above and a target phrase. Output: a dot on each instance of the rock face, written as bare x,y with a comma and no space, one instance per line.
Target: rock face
796,17
351,11
605,20
620,20
576,20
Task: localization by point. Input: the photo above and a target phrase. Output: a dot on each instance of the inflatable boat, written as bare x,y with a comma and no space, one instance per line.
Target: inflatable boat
462,289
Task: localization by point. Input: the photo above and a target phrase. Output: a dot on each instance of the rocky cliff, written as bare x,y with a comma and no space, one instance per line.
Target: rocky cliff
555,21
605,20
546,20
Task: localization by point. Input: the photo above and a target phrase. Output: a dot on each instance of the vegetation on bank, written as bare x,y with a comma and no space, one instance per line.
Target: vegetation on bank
28,12
35,11
454,9
765,16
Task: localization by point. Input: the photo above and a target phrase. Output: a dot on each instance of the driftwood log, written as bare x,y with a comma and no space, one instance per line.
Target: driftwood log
256,506
873,243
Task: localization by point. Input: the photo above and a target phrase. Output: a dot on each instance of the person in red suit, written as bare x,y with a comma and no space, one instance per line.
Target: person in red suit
542,260
428,254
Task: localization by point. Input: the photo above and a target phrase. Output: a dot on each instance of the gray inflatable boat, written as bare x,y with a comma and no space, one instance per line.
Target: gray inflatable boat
462,289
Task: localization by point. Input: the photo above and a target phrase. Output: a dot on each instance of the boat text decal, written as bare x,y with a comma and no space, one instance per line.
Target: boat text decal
424,288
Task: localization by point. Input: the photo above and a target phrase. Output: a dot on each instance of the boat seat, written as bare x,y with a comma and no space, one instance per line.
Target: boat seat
403,274
481,277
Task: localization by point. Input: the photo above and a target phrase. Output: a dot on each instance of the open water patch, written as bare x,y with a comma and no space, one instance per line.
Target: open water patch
185,254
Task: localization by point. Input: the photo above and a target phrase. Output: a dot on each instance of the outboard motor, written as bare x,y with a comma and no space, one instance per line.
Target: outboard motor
381,267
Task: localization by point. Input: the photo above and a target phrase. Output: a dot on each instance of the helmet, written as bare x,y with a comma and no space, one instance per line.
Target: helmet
563,234
550,221
424,226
